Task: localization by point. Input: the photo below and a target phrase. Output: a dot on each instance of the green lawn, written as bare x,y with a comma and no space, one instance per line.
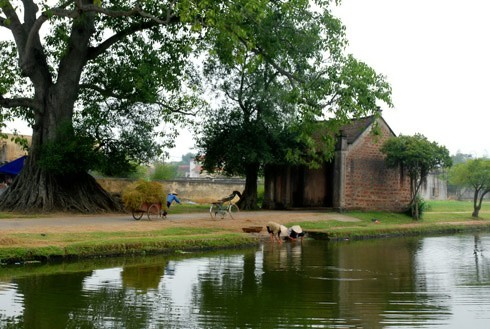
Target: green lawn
440,216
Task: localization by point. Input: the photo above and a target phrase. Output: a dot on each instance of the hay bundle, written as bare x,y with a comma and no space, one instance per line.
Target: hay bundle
142,192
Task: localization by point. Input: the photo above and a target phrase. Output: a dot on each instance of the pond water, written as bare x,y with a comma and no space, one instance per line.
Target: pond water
431,282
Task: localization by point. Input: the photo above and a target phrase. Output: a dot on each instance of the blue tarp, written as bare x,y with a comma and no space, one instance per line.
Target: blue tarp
13,167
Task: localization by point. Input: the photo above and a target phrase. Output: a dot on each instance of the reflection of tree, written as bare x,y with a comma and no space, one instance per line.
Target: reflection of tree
130,306
49,299
60,301
272,299
478,249
142,278
113,307
381,266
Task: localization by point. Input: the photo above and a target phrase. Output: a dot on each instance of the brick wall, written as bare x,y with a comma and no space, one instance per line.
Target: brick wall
369,184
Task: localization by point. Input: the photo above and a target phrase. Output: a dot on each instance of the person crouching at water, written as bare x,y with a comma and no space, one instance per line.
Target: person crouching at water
295,232
276,231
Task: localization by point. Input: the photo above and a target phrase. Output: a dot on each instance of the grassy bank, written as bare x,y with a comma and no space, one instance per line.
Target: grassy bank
57,246
441,217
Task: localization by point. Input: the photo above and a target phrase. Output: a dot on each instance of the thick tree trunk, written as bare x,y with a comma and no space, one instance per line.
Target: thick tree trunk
36,190
39,190
249,195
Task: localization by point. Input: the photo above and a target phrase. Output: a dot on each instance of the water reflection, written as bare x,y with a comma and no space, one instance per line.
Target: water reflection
395,283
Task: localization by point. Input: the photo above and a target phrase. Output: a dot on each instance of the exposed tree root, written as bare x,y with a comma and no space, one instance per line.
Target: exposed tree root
35,190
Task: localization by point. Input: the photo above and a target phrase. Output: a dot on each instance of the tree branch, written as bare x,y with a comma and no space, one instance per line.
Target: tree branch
136,11
17,102
2,22
14,23
96,51
104,92
173,110
107,93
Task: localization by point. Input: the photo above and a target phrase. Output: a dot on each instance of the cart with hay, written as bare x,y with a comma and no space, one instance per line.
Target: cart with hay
145,198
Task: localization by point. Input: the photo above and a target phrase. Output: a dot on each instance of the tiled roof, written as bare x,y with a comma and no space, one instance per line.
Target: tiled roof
356,127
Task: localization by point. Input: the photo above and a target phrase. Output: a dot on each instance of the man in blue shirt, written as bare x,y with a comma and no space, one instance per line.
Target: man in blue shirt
171,197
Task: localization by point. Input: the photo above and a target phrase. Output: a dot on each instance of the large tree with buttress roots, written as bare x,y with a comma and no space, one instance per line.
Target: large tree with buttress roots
94,78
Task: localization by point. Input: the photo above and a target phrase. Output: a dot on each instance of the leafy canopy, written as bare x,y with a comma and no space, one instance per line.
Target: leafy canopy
272,101
474,173
417,156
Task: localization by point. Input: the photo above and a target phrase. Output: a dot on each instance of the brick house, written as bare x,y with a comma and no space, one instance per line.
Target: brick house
356,178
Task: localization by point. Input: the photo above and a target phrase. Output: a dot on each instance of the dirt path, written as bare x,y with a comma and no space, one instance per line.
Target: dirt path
125,222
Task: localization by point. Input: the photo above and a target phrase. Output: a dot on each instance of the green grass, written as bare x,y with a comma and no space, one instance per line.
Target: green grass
25,246
187,208
454,206
440,217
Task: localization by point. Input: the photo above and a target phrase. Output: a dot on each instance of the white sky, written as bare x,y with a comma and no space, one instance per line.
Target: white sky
435,55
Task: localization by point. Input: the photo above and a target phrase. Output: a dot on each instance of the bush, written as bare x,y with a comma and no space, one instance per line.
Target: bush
423,207
143,192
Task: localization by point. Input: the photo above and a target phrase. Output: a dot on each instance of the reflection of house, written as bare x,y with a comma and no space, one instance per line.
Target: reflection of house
9,150
357,177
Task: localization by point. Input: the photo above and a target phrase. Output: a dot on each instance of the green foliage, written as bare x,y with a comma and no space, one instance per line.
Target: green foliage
143,192
186,158
163,171
140,172
137,81
415,154
274,98
461,157
472,173
69,153
422,207
260,195
418,157
475,174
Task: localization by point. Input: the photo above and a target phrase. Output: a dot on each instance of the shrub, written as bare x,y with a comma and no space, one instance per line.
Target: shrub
143,192
423,207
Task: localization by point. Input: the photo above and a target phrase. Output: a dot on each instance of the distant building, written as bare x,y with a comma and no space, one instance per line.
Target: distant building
194,169
9,150
434,187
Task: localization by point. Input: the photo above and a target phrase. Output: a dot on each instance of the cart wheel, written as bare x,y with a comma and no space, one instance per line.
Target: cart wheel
137,214
153,212
233,211
213,210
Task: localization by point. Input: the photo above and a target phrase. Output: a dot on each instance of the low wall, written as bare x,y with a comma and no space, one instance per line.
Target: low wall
196,190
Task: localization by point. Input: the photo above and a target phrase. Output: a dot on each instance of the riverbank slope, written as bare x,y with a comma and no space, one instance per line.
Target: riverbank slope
67,236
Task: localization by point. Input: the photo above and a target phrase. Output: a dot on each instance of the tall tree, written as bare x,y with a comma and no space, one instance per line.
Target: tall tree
416,156
95,77
269,113
475,174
